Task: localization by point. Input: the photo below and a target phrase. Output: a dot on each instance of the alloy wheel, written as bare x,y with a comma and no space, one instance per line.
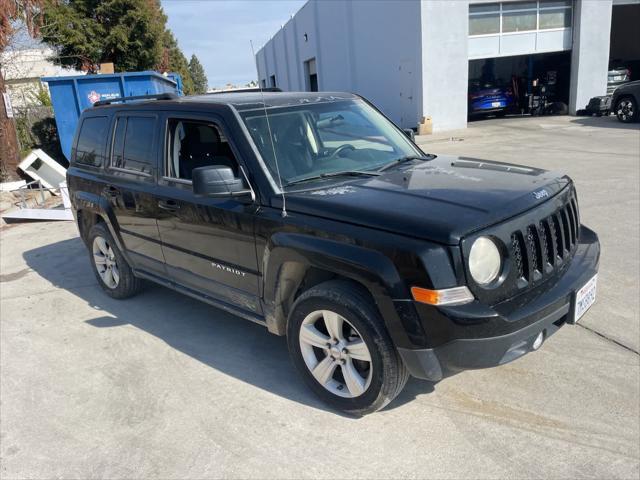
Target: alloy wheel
335,353
105,261
625,110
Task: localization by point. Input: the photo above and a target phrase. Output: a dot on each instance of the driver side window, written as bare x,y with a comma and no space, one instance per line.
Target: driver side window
193,144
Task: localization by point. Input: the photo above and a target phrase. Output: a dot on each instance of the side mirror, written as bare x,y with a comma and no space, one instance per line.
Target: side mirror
409,133
217,181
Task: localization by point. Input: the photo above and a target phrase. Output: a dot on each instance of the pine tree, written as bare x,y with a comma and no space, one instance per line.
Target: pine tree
198,76
86,33
130,33
173,60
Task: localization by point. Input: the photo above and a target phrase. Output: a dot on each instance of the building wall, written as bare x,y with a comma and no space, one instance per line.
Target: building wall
410,57
22,70
445,64
369,48
590,55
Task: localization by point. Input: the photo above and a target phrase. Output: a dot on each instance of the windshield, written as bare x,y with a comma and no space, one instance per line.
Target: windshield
323,138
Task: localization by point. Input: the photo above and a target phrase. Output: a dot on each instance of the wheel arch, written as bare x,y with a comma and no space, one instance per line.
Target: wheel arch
293,263
91,209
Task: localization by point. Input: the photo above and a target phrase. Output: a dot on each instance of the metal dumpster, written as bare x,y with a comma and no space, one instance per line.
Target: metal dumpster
71,95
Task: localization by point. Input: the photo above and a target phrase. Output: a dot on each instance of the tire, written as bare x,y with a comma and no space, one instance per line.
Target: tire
627,109
350,309
560,108
112,271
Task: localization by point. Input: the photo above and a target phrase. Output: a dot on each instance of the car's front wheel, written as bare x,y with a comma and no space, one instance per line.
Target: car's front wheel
338,342
627,110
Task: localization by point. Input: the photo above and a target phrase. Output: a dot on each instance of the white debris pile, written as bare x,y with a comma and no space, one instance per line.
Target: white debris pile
40,166
31,197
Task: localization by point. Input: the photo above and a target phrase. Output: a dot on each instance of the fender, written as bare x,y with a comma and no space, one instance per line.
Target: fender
98,205
289,256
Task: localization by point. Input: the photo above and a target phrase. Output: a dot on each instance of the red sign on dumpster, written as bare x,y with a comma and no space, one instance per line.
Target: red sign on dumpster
93,96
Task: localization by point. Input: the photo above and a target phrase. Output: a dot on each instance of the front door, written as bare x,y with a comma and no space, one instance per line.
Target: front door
208,243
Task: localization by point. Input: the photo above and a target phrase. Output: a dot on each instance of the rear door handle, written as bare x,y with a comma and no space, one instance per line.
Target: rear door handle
170,205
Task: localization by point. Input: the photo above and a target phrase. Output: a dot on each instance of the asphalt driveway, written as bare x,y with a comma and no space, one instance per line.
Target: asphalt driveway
163,386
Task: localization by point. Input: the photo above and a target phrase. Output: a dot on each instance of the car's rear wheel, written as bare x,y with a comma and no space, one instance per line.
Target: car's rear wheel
338,342
112,271
627,110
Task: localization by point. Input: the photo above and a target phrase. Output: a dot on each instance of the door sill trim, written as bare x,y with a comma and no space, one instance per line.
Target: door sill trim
227,307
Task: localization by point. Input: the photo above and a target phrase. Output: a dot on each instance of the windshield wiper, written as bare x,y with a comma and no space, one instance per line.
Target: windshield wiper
353,173
406,158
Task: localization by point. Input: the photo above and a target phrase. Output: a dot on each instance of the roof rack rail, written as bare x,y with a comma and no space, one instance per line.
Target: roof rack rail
246,90
157,96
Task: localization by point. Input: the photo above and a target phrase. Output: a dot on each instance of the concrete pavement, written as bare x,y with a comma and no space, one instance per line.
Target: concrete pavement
163,386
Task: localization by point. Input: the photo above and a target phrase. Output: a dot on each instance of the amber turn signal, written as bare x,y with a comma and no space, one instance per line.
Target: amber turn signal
447,296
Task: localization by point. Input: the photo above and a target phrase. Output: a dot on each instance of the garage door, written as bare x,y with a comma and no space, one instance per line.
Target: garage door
519,28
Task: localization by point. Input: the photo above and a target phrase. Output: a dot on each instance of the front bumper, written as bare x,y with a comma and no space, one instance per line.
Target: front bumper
489,336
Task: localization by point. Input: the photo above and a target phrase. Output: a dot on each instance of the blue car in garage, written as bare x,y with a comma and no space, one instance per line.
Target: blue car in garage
489,99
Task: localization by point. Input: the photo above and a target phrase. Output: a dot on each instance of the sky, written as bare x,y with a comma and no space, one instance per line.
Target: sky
219,31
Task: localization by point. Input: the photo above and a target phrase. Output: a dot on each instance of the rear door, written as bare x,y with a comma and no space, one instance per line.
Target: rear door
208,243
133,170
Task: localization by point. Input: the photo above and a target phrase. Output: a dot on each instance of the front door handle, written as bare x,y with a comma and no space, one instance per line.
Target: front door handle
170,205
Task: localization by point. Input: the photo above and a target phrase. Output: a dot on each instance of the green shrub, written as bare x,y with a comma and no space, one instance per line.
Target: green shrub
37,129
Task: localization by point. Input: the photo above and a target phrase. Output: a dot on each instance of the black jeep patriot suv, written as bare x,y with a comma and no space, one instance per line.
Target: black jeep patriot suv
314,215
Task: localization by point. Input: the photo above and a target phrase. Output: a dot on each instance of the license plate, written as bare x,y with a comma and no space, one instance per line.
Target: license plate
585,297
617,77
495,104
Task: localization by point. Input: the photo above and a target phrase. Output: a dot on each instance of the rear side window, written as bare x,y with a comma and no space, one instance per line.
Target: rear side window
133,144
91,141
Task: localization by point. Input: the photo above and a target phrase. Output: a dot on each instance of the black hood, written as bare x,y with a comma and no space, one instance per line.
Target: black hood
440,200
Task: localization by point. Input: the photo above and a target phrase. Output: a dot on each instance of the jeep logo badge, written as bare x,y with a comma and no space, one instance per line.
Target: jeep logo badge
540,194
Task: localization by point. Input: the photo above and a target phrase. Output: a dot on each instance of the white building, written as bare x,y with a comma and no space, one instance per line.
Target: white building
415,58
22,70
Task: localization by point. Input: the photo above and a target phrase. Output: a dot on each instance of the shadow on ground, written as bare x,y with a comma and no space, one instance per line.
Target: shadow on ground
610,121
216,338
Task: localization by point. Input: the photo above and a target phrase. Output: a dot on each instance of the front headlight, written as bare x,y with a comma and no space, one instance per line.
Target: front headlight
484,261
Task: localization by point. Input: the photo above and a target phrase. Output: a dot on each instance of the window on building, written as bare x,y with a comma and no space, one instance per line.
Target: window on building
312,75
484,19
523,16
196,144
272,81
555,3
133,144
554,14
91,141
263,83
519,16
